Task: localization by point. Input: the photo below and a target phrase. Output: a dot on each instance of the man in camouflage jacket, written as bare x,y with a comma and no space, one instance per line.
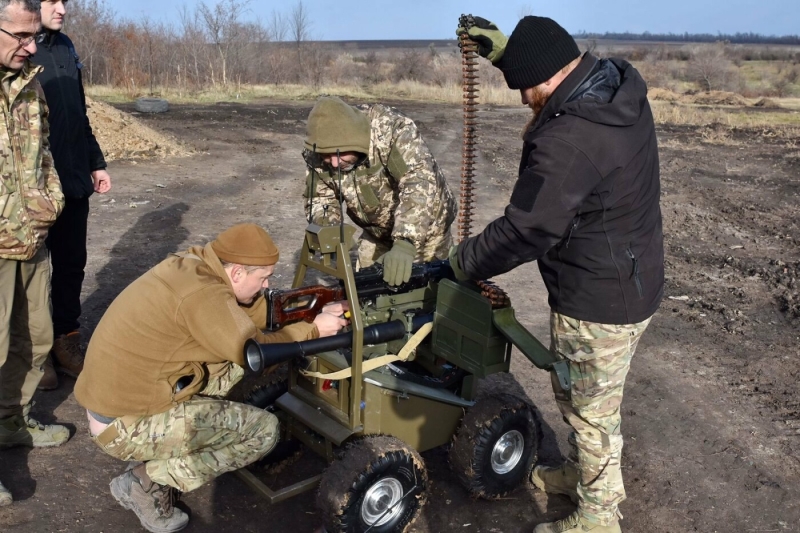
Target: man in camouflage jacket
30,200
390,183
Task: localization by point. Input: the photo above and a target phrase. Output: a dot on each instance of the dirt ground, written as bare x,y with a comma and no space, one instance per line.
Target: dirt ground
711,415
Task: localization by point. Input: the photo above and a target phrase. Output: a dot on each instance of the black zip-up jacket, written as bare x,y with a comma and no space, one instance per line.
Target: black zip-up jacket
75,150
586,203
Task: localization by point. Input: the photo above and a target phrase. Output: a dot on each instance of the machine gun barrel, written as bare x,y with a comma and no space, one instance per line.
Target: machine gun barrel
258,356
369,281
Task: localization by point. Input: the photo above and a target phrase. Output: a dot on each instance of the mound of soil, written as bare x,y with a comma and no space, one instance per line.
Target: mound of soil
715,98
662,95
767,103
121,136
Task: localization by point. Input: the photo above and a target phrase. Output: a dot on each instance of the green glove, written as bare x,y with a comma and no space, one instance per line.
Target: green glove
397,262
453,256
491,41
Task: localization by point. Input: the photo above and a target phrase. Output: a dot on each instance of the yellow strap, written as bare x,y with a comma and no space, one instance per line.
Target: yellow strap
376,362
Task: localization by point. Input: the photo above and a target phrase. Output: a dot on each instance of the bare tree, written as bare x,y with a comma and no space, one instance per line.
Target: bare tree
223,28
709,67
299,23
192,47
89,22
277,26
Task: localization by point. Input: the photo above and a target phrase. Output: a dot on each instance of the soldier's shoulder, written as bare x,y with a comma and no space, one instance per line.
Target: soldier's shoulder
383,110
389,118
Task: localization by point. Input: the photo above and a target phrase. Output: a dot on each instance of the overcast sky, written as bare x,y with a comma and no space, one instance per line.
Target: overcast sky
437,19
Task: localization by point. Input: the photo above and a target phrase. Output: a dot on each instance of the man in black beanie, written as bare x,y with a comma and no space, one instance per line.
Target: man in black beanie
586,207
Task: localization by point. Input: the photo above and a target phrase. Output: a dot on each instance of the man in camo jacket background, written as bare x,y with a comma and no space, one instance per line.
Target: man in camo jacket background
30,201
391,184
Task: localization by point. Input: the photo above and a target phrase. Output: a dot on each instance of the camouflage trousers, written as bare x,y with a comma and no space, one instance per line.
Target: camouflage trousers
197,440
370,249
599,358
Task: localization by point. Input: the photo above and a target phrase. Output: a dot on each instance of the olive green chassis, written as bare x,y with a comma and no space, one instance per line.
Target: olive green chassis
467,333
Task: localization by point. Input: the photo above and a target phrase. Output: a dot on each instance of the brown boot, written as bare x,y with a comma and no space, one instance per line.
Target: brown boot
152,503
22,430
562,479
68,354
49,380
577,523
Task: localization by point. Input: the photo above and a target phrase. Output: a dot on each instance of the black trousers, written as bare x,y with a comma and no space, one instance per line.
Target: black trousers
66,241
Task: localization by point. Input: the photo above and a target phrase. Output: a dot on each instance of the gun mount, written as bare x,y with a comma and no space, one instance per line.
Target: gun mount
352,386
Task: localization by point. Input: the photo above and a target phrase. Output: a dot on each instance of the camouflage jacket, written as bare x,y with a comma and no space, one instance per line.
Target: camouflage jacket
398,193
30,192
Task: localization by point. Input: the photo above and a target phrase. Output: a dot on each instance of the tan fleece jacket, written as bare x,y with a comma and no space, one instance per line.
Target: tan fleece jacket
174,321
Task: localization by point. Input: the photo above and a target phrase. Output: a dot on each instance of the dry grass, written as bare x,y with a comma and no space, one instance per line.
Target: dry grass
696,115
668,108
403,90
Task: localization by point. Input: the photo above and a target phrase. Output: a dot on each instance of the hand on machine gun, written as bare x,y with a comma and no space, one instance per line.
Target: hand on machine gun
305,303
332,318
397,262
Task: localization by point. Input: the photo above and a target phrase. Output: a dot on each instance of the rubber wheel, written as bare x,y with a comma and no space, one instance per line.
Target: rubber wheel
151,105
285,452
496,446
377,485
265,396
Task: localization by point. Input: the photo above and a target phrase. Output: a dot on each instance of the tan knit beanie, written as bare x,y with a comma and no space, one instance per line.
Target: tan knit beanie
246,244
334,125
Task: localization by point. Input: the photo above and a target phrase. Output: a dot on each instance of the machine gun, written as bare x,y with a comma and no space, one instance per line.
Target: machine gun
260,356
304,303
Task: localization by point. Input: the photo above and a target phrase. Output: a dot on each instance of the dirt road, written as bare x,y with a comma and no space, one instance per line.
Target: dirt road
712,413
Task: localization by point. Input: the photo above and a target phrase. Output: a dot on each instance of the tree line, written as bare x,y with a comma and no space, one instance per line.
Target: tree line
212,44
734,38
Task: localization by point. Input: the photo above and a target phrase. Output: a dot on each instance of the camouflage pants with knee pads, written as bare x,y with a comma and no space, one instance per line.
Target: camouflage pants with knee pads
197,440
599,358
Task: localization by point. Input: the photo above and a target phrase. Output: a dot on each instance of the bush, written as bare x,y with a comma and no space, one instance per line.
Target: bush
412,65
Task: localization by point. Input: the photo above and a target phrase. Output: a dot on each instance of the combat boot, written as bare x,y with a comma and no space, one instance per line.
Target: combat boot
49,380
68,354
576,523
561,479
5,496
154,504
23,430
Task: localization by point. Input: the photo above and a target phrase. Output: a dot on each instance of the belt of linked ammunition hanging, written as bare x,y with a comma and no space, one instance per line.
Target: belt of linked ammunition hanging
469,83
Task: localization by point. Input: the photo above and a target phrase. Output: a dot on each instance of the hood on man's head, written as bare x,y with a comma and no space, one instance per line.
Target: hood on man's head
246,244
334,125
537,49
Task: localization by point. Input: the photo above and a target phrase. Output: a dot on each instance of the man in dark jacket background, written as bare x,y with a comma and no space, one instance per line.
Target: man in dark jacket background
586,207
81,168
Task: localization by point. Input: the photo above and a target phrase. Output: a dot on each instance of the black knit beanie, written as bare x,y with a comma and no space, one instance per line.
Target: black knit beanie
537,49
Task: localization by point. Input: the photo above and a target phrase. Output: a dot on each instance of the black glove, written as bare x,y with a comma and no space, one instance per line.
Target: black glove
453,256
491,41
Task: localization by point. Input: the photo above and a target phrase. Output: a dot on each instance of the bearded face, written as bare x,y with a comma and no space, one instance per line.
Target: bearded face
535,98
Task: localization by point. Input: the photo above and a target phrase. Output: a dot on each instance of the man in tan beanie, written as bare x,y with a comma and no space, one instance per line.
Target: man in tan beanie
166,352
391,185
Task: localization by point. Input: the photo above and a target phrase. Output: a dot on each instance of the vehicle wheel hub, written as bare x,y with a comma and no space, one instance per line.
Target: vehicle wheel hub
507,452
383,495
